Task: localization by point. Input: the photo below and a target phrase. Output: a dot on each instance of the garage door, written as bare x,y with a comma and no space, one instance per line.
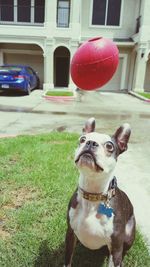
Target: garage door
115,83
34,61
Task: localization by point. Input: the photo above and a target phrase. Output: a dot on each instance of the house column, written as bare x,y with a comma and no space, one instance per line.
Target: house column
1,58
140,70
75,22
76,11
50,14
48,68
73,48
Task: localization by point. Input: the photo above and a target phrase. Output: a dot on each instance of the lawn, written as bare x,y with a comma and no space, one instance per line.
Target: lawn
59,93
147,95
37,178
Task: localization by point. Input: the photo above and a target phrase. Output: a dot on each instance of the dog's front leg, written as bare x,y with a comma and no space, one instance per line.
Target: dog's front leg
115,259
70,243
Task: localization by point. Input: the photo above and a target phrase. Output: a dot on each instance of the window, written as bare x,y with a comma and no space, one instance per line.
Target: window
106,12
30,71
63,13
6,10
39,11
22,11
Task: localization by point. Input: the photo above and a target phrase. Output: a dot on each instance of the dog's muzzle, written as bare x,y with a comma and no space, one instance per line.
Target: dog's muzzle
87,157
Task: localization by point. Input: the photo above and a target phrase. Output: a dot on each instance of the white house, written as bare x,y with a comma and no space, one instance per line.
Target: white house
45,34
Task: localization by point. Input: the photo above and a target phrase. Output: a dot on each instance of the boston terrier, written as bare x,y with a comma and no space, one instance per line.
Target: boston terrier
99,213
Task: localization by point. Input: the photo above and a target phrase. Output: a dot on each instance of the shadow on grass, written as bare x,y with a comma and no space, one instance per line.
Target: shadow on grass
83,257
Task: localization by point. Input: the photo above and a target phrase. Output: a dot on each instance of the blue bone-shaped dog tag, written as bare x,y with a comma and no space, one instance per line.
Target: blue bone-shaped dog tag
103,209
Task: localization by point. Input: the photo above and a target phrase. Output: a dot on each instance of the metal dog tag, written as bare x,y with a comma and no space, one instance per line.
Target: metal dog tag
103,209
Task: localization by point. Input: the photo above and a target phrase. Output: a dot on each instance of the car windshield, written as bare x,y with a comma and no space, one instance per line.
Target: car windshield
9,68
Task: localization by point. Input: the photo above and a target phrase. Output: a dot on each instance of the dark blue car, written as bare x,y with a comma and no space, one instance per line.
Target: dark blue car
18,77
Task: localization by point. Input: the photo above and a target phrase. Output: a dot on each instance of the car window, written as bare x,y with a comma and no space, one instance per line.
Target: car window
8,68
30,71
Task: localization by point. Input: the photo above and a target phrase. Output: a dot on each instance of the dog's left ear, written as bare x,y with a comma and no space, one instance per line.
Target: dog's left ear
89,126
122,136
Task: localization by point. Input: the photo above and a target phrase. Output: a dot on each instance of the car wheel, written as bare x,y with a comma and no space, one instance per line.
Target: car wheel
28,89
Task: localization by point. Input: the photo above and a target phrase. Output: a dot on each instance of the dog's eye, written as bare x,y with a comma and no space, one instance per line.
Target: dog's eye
109,146
82,139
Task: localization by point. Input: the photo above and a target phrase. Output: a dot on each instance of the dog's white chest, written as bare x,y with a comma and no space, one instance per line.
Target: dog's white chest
92,231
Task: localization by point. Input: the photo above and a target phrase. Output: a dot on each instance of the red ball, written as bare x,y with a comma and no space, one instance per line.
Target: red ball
94,63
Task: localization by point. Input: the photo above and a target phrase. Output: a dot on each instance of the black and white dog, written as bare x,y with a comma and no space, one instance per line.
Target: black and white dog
99,212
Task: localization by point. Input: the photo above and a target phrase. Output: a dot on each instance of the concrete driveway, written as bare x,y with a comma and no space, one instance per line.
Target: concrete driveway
33,114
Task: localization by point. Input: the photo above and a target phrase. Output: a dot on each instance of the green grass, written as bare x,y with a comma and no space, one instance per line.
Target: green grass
147,95
37,178
59,93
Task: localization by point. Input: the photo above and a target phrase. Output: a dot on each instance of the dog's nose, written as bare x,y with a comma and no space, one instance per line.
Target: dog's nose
91,144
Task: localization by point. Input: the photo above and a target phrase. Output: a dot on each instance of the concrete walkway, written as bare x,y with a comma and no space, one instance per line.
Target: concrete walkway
33,114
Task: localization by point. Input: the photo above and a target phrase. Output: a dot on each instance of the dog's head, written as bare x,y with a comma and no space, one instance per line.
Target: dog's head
99,152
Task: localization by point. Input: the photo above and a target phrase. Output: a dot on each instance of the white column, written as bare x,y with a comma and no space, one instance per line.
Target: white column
50,13
75,21
140,70
73,48
1,58
145,21
145,12
131,71
76,10
48,68
75,24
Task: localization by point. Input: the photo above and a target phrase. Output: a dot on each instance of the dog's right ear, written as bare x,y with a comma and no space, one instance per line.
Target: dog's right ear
89,126
122,136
